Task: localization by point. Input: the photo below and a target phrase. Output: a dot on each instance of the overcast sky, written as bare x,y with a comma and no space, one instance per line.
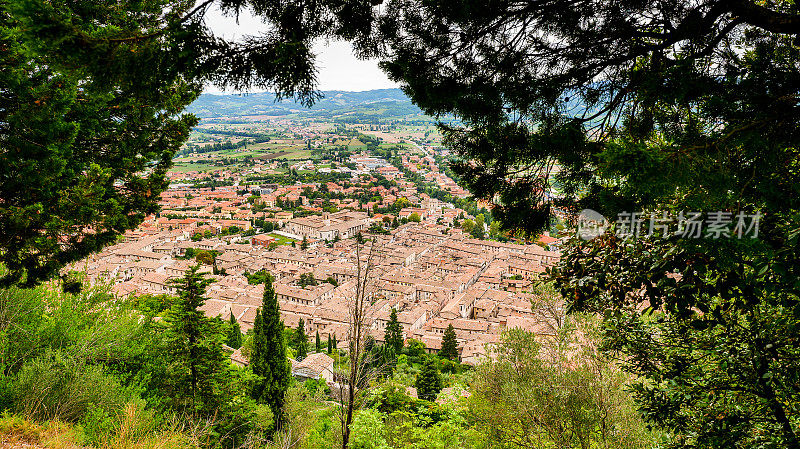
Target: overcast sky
338,68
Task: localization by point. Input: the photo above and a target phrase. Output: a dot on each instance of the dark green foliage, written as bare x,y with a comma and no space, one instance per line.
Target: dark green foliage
539,83
300,342
307,279
393,336
382,358
415,350
70,284
234,339
206,257
268,358
429,380
477,230
330,345
719,358
304,244
317,386
259,277
154,305
197,365
449,366
369,343
449,348
332,281
318,343
89,121
189,253
392,398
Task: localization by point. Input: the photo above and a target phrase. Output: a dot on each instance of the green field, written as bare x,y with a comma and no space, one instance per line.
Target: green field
291,147
292,153
281,240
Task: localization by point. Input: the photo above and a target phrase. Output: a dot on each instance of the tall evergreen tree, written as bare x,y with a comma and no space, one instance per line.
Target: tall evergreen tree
304,244
89,121
234,339
330,345
449,348
301,341
197,363
428,381
369,344
268,359
318,345
393,336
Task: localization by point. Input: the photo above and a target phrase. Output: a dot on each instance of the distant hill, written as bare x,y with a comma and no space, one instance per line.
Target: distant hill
381,104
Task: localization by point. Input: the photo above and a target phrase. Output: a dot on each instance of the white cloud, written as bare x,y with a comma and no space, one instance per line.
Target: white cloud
338,68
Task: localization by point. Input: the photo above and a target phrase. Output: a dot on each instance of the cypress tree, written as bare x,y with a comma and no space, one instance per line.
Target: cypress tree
330,345
449,345
318,343
234,339
301,341
429,381
196,361
369,343
268,359
394,333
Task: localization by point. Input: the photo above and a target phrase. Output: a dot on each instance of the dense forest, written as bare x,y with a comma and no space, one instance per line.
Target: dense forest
660,115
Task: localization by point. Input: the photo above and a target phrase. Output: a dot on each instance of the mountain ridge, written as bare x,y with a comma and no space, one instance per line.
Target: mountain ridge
384,103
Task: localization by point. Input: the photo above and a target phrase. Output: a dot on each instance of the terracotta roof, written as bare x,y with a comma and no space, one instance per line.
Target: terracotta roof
316,362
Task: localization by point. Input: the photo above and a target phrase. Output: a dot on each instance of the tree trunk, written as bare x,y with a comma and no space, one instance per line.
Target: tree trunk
780,415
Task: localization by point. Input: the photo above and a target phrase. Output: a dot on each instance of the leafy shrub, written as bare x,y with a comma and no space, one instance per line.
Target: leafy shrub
97,425
368,431
390,397
315,385
448,366
21,313
153,305
55,386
